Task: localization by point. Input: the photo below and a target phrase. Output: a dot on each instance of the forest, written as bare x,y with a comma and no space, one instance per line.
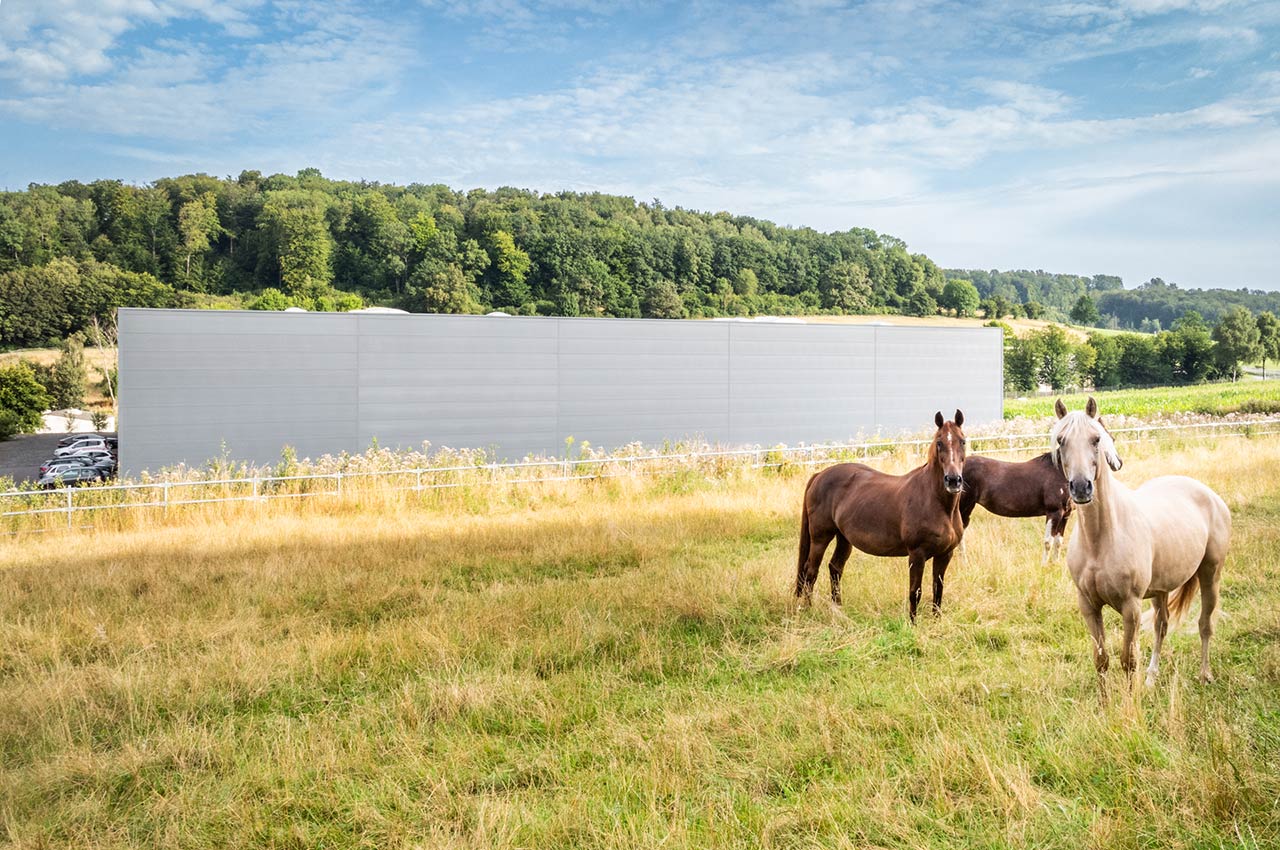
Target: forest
74,251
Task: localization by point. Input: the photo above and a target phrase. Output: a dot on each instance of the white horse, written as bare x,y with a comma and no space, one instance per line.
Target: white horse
1156,542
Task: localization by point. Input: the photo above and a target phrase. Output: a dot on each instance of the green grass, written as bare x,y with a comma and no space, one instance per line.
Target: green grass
1211,399
615,665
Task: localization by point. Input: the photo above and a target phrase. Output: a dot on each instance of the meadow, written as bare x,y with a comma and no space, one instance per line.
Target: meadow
1243,397
615,664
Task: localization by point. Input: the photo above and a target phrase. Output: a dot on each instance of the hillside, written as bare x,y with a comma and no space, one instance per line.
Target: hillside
74,251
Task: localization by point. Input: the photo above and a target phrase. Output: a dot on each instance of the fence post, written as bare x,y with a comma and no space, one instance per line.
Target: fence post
338,476
69,508
255,488
166,498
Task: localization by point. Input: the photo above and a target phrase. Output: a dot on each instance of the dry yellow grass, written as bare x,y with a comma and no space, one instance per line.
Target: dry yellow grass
1021,327
607,665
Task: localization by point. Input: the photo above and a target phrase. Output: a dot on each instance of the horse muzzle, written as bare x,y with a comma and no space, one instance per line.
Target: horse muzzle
1081,491
953,483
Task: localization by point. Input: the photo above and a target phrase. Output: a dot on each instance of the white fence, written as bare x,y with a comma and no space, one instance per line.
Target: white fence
170,494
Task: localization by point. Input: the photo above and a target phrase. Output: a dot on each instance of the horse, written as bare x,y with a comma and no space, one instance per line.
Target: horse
1031,488
916,514
1158,542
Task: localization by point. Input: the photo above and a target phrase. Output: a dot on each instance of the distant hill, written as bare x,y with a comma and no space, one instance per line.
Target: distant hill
1150,306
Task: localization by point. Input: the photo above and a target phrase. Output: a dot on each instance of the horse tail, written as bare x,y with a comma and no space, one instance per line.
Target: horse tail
1179,601
804,536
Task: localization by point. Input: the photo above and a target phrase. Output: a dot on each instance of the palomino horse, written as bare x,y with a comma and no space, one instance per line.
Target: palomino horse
1157,542
917,515
1031,488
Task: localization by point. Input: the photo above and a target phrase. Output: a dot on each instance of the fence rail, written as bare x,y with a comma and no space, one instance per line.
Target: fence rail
165,495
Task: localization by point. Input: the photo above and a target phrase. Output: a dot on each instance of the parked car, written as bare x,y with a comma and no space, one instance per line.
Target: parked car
78,437
95,442
75,476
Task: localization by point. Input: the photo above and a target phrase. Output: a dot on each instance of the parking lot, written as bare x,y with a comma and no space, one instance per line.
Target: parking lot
20,458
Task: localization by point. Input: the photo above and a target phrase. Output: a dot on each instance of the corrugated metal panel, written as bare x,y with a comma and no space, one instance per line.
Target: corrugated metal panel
192,382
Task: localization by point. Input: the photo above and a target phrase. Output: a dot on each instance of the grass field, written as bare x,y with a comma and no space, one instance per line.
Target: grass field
1209,399
615,665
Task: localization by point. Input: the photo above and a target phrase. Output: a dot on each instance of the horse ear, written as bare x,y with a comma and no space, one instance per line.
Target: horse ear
1091,409
1059,408
959,420
937,418
1109,448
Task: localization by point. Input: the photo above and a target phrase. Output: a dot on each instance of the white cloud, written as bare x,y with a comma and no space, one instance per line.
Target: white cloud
329,64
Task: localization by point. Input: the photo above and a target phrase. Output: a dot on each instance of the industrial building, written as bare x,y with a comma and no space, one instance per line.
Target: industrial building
194,384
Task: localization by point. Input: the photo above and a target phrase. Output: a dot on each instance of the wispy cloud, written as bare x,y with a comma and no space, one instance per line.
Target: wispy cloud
983,133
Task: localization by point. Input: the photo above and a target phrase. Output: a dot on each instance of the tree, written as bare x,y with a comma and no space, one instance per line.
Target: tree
996,307
1268,337
921,303
1033,309
294,224
1056,362
847,288
443,290
745,283
197,225
509,267
1236,339
1084,311
961,296
1022,364
22,396
67,376
1106,362
1188,348
662,301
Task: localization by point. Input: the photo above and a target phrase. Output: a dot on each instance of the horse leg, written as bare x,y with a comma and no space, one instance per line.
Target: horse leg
1093,621
915,562
1131,611
1159,604
1048,539
838,558
1210,576
808,575
940,562
1059,533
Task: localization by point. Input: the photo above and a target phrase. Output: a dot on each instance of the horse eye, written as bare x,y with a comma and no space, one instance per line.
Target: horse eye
1061,439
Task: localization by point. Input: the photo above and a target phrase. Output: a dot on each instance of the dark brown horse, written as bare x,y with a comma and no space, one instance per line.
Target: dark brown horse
917,515
1031,488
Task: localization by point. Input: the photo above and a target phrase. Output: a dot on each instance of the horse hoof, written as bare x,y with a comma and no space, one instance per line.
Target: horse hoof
1151,680
1206,678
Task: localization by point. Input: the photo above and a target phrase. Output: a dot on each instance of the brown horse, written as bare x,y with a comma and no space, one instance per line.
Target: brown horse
1033,487
917,515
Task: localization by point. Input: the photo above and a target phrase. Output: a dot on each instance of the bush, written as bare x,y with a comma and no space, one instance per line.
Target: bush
23,397
9,424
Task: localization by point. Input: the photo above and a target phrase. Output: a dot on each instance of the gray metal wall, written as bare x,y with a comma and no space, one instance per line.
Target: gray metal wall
192,382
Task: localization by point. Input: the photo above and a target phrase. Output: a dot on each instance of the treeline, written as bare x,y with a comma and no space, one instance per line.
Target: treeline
1191,352
74,251
1102,300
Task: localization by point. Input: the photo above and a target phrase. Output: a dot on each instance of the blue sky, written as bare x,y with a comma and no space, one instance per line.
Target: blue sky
1137,137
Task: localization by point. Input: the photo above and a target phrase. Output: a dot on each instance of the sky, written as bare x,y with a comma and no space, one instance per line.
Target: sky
1137,137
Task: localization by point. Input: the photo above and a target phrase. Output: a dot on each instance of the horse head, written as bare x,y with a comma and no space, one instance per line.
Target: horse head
947,451
1080,441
